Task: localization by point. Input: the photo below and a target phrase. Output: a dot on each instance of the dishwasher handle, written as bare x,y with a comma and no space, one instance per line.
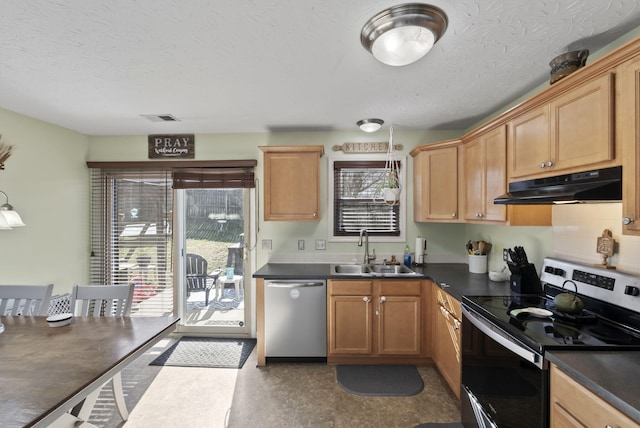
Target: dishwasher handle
295,284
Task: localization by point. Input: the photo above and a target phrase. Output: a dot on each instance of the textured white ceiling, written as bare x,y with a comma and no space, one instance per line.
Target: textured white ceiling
257,65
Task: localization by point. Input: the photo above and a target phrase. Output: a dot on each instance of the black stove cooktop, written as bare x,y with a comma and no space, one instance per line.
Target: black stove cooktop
552,330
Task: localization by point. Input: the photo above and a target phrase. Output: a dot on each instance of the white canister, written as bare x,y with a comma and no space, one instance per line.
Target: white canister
478,263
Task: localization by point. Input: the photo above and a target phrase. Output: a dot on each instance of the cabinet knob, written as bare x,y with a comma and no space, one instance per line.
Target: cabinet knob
479,215
453,215
456,324
383,299
542,165
315,214
627,220
366,299
549,164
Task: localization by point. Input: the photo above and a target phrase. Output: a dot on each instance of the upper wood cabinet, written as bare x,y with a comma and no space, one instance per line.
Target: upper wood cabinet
628,132
573,131
292,182
435,182
485,176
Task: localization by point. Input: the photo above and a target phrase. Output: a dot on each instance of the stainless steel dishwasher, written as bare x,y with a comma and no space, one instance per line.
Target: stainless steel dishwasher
295,318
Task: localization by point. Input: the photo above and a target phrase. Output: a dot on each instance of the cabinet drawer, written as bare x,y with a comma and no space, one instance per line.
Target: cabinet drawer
449,303
572,401
400,287
350,288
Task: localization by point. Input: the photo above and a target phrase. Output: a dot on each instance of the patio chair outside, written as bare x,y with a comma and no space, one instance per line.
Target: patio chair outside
198,278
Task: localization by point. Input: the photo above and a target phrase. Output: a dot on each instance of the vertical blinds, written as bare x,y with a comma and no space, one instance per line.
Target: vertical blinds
357,200
131,235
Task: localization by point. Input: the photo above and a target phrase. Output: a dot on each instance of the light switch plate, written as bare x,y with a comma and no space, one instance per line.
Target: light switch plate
300,244
321,244
266,244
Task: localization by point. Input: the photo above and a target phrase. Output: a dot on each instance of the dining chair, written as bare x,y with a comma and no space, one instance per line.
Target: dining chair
28,300
109,301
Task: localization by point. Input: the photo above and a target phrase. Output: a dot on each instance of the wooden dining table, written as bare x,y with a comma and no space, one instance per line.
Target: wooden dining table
45,371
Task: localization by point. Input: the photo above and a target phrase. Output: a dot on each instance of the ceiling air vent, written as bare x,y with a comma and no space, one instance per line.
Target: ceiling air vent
160,117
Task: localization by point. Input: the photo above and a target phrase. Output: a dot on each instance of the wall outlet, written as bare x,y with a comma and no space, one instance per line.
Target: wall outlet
505,254
266,244
300,244
321,244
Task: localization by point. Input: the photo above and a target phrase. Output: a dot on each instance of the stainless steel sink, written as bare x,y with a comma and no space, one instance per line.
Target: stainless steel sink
391,269
350,269
371,270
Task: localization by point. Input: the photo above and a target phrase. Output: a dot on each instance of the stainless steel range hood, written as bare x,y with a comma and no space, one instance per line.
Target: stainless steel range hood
600,185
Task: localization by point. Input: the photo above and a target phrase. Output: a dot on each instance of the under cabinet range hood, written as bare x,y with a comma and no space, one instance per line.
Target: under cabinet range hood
599,185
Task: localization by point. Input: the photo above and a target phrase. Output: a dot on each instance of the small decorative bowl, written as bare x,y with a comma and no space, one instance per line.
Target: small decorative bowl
60,320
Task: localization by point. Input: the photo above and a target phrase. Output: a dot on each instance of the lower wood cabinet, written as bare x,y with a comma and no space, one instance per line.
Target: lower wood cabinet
375,319
447,328
573,405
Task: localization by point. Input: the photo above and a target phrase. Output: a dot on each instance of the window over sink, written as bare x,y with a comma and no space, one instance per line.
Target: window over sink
356,201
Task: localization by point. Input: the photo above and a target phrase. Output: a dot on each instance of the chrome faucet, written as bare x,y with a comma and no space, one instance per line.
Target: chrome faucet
367,257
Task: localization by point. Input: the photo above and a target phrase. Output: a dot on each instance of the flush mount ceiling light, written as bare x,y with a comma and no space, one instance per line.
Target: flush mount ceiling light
403,34
370,125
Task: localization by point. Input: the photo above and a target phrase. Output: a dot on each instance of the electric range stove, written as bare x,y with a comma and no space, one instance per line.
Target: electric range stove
505,379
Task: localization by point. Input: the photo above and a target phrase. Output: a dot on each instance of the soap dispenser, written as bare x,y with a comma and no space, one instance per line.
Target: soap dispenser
407,256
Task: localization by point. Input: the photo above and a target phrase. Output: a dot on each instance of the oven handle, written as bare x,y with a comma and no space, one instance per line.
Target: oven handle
502,338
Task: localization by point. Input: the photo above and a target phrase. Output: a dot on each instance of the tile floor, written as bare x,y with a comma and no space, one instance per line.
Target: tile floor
279,395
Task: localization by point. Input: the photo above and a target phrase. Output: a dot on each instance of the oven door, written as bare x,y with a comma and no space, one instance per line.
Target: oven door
504,383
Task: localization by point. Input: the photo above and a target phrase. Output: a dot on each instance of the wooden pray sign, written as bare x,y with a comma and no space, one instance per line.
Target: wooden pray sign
176,146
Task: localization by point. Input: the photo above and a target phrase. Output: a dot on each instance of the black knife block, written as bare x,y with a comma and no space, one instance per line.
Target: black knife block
525,280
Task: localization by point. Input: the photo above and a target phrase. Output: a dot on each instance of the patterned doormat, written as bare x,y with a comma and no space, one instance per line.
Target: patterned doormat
206,352
379,380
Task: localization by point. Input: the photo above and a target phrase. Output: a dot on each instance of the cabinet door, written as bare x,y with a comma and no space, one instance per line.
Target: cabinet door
436,185
473,155
448,359
350,325
495,167
529,143
485,176
399,325
628,132
582,125
292,183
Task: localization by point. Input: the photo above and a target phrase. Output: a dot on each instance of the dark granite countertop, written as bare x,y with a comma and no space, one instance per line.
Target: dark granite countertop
453,277
609,374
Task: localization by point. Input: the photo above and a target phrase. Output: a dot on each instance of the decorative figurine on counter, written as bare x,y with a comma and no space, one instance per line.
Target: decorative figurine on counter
606,247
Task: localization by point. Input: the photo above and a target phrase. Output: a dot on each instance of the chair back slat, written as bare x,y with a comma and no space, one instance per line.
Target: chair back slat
102,300
25,300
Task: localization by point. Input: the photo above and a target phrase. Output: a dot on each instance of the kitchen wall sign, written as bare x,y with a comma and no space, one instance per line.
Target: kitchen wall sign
175,146
381,147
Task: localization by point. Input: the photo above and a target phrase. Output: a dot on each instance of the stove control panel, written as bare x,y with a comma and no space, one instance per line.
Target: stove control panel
594,279
611,286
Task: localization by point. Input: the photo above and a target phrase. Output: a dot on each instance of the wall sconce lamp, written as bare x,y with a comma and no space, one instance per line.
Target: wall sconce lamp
403,34
9,218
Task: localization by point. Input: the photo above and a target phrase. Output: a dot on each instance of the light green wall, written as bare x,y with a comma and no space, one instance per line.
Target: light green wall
47,182
285,235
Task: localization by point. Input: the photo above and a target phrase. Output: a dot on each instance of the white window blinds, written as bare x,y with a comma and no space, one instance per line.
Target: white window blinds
131,235
357,200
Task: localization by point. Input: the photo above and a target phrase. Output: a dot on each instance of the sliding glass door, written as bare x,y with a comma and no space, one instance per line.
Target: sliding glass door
214,278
